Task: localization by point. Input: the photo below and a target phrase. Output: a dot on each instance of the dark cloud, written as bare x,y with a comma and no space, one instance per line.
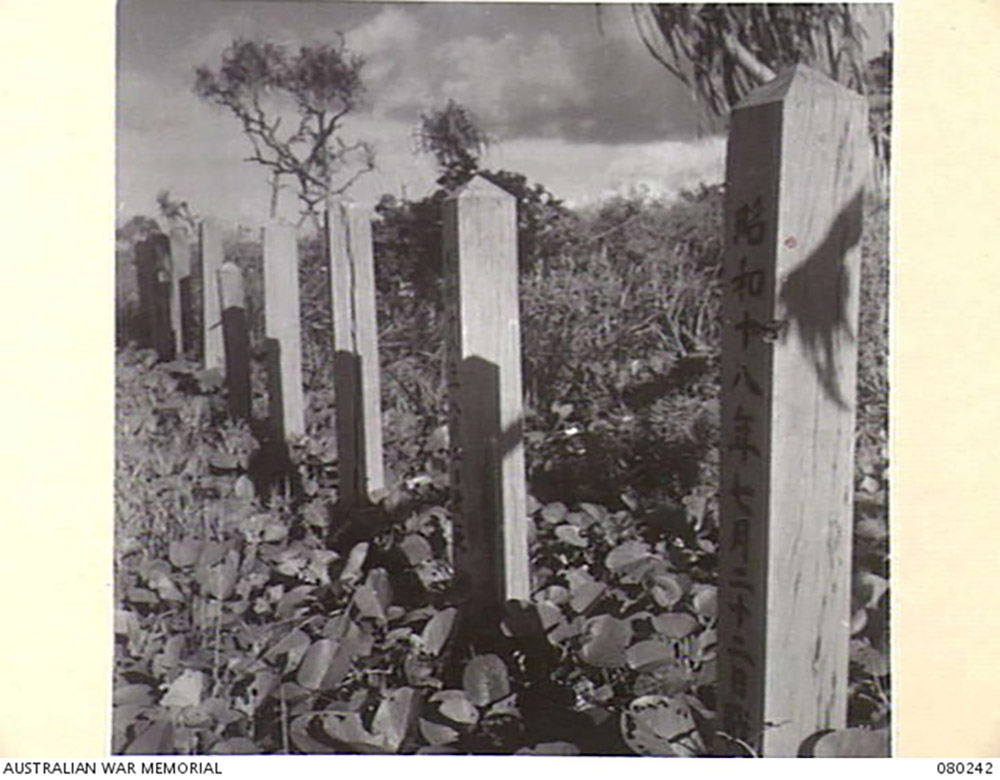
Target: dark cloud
531,71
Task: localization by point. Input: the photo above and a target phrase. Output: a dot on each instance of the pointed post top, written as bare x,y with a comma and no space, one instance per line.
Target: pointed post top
799,82
479,187
348,205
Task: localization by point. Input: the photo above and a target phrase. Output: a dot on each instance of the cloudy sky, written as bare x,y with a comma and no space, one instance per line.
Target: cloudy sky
568,91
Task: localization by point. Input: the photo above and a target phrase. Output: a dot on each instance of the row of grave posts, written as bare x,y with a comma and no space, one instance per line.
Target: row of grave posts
796,164
485,398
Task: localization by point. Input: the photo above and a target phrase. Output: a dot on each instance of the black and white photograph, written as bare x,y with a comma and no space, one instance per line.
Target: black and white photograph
502,378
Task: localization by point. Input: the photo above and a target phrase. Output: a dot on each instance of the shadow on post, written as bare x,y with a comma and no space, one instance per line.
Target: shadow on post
153,275
816,298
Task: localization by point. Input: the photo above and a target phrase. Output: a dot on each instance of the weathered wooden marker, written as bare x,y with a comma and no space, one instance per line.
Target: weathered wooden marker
211,313
282,329
484,394
152,260
180,289
356,365
236,339
796,166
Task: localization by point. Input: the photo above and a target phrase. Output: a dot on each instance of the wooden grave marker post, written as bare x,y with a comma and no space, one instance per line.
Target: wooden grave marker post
211,306
180,288
236,338
484,393
356,364
152,260
796,166
282,329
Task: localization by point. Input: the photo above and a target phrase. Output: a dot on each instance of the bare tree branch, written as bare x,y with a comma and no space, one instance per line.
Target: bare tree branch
324,84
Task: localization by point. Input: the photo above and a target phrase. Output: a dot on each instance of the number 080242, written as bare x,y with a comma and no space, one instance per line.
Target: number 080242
965,767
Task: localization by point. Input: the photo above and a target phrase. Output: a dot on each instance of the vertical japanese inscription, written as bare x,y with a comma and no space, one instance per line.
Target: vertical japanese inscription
748,300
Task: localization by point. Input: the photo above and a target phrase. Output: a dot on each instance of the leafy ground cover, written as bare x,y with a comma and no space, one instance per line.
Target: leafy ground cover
252,616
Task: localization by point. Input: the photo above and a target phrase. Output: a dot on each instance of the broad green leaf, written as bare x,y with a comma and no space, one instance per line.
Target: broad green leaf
485,679
184,552
135,693
185,691
456,707
549,749
554,594
244,488
368,603
394,716
566,630
554,513
579,520
348,729
290,603
607,638
355,560
316,663
597,513
294,644
274,531
676,625
626,554
657,725
871,659
437,733
356,644
223,461
264,683
219,579
649,654
416,548
126,623
211,553
705,602
869,588
137,595
858,621
419,671
873,528
549,615
236,746
156,740
378,581
666,589
853,743
438,629
164,586
570,534
167,659
304,741
583,597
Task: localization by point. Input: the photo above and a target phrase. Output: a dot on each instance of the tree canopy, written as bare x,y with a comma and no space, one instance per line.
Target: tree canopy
453,136
722,51
314,89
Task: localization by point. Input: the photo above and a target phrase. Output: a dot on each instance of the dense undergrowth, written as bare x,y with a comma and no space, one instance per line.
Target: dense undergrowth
253,616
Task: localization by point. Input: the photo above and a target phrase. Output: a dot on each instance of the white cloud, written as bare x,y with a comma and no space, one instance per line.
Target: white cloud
584,173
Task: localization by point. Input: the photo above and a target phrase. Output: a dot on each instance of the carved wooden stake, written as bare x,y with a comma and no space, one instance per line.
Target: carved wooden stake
282,328
484,354
180,290
152,260
236,339
796,167
211,319
356,365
